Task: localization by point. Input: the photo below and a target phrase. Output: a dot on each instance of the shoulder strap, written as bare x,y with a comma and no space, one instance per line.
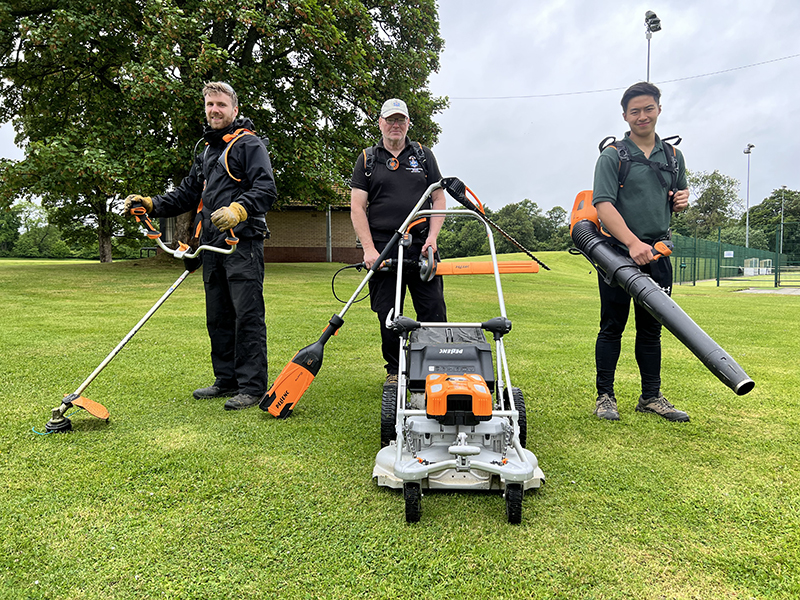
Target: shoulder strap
423,160
625,159
672,161
369,160
231,139
624,165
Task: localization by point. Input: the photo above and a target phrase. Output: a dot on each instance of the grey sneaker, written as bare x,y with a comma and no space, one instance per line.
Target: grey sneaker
215,391
241,401
660,406
607,408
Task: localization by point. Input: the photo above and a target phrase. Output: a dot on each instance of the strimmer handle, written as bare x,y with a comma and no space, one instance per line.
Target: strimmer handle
139,212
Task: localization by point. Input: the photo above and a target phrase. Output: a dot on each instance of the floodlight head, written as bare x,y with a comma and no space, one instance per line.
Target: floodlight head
652,22
749,148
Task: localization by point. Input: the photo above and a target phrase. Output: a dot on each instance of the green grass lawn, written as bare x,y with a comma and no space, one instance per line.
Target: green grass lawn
176,498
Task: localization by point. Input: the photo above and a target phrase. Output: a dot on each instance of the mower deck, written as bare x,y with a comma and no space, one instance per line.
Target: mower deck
476,464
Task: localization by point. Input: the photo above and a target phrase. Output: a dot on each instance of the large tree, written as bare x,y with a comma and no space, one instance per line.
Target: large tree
714,203
767,215
105,96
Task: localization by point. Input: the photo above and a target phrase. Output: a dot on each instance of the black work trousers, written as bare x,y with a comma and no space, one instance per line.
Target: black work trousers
235,314
614,310
427,297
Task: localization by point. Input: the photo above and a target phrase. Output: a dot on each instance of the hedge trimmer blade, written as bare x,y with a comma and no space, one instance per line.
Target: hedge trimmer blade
457,189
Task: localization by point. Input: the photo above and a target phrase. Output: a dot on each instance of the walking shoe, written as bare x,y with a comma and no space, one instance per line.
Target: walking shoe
391,380
607,408
241,401
215,391
660,406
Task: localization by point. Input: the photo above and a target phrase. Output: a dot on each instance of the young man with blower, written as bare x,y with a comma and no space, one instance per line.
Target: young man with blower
231,187
636,213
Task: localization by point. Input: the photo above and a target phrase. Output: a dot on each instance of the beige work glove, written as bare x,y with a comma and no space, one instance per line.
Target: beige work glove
228,217
145,201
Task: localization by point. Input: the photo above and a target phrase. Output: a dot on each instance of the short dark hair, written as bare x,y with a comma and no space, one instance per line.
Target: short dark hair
642,88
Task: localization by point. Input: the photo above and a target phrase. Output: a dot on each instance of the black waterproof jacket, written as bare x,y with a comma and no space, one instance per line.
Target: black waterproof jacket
210,181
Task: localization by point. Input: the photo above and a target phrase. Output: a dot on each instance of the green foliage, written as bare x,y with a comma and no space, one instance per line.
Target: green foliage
10,222
176,498
462,236
41,242
714,203
766,217
523,221
106,96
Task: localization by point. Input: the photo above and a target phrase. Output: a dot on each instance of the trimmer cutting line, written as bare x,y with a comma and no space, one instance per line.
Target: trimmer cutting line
58,422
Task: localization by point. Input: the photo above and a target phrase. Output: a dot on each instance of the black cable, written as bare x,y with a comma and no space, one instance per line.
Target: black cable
358,267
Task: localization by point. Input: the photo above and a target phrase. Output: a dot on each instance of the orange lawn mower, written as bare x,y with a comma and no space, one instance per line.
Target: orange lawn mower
454,420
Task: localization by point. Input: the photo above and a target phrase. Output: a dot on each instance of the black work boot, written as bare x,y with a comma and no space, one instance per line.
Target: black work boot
660,406
607,407
217,390
242,401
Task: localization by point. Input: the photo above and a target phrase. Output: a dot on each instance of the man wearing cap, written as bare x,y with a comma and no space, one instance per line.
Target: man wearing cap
382,195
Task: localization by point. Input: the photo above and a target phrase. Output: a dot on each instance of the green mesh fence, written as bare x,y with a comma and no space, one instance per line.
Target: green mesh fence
696,259
787,241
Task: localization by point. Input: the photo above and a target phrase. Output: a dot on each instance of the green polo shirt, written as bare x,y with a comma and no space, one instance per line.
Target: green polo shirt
642,201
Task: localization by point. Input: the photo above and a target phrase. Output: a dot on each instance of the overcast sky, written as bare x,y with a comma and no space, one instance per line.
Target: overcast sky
540,60
527,110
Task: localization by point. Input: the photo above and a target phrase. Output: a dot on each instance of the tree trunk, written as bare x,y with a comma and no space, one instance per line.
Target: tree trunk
104,243
183,225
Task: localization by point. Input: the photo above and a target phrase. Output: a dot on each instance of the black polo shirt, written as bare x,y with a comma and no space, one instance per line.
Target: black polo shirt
392,194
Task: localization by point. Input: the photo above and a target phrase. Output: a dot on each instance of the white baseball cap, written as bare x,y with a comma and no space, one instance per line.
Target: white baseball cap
394,106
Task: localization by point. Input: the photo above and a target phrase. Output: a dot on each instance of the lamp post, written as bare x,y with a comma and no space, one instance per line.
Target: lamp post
652,24
748,149
783,193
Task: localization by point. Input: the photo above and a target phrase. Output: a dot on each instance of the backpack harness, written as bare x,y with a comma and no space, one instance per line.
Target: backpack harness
626,158
231,139
369,158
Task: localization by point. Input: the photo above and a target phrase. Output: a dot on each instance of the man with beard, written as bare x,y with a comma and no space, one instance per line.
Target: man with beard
230,186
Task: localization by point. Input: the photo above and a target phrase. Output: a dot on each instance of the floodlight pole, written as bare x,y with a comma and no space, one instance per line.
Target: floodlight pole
783,193
651,24
748,150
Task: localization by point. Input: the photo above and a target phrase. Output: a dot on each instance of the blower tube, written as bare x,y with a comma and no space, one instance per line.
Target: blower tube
624,272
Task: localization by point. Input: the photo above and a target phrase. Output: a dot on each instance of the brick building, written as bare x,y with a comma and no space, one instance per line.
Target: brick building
306,234
302,233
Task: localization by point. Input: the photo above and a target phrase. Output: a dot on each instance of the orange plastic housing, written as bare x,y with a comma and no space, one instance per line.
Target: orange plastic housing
463,393
583,210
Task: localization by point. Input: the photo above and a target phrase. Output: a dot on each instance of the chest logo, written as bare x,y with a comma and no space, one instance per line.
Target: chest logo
392,164
412,160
